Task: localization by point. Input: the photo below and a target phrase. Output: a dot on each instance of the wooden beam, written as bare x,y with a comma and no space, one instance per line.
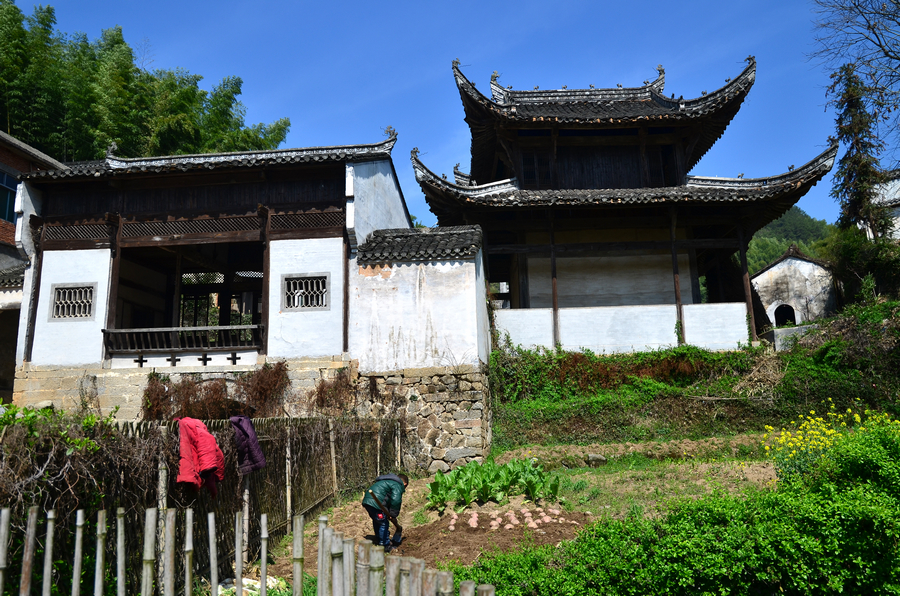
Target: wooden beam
266,226
748,293
679,309
37,263
723,243
553,287
114,275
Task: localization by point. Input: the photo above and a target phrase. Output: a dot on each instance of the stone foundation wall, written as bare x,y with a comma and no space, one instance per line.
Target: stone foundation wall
67,387
445,410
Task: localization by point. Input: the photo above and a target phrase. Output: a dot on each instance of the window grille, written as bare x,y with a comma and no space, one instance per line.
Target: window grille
306,293
73,302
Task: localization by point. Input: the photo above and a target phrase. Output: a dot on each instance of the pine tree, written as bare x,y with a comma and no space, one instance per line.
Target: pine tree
859,173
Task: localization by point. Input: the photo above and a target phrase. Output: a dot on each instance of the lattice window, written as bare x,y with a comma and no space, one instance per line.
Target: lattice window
306,292
73,302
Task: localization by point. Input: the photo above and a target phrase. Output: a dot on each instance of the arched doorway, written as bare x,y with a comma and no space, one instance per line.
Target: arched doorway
784,314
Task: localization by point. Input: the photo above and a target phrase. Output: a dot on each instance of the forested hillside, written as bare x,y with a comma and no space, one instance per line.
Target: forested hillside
72,97
794,227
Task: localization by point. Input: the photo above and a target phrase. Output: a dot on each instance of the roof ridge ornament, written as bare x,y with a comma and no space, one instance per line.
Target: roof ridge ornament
110,151
389,132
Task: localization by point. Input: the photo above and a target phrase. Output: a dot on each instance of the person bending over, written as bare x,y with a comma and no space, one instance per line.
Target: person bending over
389,489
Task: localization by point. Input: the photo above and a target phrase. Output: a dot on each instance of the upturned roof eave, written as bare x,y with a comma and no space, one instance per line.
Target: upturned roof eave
506,193
680,109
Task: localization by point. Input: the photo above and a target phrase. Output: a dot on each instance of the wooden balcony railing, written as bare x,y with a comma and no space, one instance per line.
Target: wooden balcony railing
183,339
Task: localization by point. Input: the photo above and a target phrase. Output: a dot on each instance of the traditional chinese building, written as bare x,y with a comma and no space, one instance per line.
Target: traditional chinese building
596,235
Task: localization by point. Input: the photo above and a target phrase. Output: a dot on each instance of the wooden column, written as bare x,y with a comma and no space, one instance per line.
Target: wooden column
346,299
673,218
265,228
36,263
645,166
745,275
553,288
114,273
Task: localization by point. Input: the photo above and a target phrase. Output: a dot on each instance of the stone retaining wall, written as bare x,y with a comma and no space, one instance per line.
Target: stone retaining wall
446,412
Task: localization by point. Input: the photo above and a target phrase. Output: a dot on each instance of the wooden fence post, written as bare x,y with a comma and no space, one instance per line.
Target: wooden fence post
486,590
287,474
263,552
298,555
245,542
337,564
467,588
349,567
188,552
76,563
391,575
429,582
213,554
445,583
48,553
320,572
100,557
333,459
417,567
120,551
4,545
169,555
162,501
405,566
377,447
324,580
28,555
238,555
376,571
397,444
149,552
362,568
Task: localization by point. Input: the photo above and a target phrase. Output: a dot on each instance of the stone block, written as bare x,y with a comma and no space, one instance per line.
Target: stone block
393,380
449,428
478,406
478,386
426,410
438,466
458,441
468,424
432,437
474,442
438,453
595,460
465,386
458,453
467,414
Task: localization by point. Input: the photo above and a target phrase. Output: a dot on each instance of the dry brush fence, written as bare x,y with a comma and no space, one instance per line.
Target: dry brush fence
135,467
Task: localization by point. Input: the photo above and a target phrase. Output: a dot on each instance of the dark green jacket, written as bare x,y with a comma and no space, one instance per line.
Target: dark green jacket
389,490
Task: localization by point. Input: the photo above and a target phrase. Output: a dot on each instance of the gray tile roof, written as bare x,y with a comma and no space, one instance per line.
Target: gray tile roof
421,244
13,277
699,189
116,166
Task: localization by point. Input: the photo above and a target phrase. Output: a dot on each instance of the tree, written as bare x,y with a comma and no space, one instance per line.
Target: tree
858,173
865,33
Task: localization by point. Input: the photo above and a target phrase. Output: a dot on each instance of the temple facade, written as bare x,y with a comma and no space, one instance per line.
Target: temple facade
596,235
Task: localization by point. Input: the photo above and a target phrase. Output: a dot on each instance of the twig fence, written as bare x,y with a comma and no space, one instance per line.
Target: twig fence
344,568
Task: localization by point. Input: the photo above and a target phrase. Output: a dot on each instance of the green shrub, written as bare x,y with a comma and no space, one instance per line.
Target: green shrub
833,530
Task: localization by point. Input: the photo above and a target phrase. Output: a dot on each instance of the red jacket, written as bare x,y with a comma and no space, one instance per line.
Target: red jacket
202,462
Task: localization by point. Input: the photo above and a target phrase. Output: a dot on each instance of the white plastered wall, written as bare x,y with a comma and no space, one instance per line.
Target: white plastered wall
300,333
416,315
806,287
71,342
374,200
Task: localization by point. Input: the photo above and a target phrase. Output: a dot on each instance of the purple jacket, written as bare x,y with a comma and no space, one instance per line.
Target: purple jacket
250,454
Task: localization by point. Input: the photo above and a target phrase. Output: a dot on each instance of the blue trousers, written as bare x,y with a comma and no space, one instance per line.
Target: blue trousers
381,525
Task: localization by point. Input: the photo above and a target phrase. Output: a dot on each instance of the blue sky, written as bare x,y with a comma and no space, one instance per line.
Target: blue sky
343,71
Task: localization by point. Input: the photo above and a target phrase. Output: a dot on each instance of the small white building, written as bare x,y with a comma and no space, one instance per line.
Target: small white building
796,288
